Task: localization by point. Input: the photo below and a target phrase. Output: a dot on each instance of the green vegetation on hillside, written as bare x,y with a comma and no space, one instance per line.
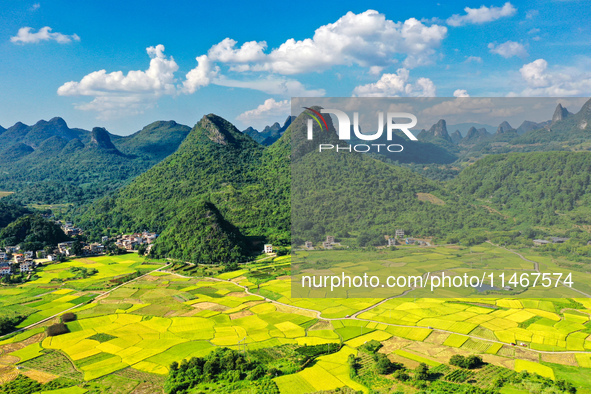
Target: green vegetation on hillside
32,232
546,189
215,163
49,163
200,234
9,212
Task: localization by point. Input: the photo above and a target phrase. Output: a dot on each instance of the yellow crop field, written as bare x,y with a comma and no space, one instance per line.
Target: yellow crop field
455,340
530,366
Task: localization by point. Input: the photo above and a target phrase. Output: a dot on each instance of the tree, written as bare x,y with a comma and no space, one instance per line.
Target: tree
141,249
422,372
57,329
469,362
383,364
401,375
77,248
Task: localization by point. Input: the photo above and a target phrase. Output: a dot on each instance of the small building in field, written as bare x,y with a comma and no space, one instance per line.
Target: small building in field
540,242
308,244
268,248
558,240
391,241
327,245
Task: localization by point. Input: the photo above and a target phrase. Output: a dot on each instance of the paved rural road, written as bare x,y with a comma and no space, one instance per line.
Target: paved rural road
76,306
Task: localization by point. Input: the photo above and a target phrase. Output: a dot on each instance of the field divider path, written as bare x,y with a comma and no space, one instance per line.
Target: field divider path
76,306
537,268
354,317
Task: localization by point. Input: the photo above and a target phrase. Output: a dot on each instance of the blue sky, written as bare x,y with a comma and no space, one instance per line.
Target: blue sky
254,57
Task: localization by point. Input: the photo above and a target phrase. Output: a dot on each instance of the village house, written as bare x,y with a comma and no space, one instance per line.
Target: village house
2,256
94,248
12,249
268,248
5,269
399,233
391,241
330,239
18,258
131,241
540,242
308,245
27,266
327,245
65,247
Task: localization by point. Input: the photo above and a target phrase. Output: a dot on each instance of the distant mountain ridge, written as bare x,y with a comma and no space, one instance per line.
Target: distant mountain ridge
270,134
48,159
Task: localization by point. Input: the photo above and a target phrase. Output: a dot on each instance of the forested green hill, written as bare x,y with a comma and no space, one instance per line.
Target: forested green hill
49,163
251,187
9,212
32,232
548,189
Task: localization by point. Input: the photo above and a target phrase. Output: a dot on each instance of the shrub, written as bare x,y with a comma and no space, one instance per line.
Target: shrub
68,316
57,329
469,362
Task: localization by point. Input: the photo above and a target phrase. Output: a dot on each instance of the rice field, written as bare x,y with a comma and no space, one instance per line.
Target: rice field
147,324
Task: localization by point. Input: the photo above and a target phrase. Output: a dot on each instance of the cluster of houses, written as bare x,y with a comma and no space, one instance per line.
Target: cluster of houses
69,229
132,241
398,239
553,240
20,262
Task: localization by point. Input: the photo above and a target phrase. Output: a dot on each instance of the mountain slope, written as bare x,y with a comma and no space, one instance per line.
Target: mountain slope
155,141
200,234
253,189
9,212
547,188
270,134
50,163
32,232
215,163
341,193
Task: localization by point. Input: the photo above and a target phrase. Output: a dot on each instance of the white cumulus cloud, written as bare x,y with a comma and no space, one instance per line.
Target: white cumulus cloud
116,93
26,35
395,85
271,84
266,113
461,93
367,39
558,81
474,59
482,15
508,49
201,75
